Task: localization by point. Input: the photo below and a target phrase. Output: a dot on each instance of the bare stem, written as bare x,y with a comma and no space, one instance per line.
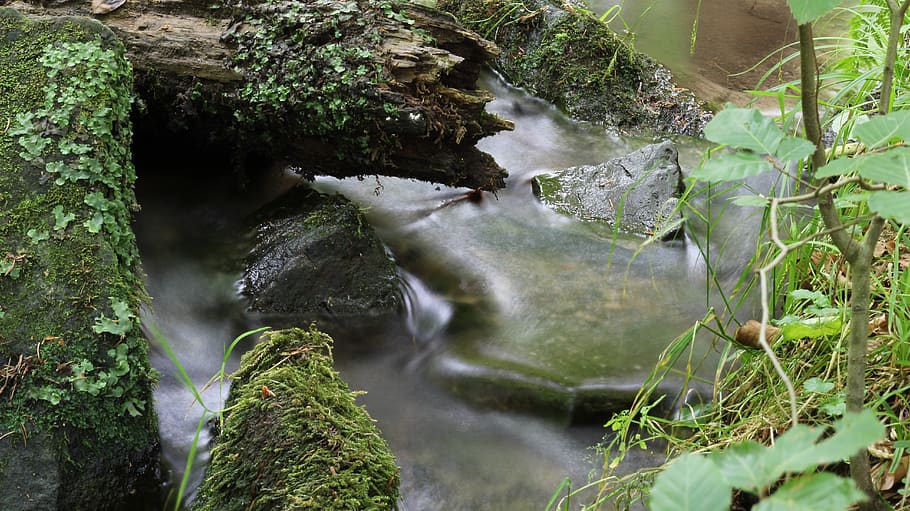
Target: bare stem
766,313
897,20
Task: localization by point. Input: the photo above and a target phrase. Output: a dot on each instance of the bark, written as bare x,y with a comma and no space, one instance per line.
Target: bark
858,253
328,87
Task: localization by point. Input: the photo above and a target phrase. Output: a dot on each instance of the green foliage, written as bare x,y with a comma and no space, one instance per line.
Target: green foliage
66,97
832,404
315,66
850,188
184,378
699,482
82,74
120,324
812,321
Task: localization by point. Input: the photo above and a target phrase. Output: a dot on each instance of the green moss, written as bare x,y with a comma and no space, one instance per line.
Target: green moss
65,199
313,69
565,55
294,438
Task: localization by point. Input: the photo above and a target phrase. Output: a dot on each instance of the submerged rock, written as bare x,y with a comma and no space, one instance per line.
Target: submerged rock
637,192
316,257
294,437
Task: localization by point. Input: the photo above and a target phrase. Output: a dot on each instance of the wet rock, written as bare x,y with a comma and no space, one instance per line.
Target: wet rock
563,54
317,258
294,437
637,192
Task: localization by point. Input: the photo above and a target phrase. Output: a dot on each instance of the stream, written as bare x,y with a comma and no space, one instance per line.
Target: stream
505,299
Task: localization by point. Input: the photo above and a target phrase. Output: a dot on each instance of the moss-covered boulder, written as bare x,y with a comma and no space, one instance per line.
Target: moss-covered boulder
77,426
294,437
317,259
562,53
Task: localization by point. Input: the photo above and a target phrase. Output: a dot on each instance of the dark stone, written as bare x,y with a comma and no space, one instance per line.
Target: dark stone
317,258
639,191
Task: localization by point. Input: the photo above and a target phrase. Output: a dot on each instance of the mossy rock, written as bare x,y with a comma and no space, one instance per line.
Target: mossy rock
294,437
77,423
562,53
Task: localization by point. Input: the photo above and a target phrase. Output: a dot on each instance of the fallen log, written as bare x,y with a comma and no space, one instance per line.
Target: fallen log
329,87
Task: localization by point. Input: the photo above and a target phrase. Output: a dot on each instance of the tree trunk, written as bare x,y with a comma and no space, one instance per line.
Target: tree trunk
328,87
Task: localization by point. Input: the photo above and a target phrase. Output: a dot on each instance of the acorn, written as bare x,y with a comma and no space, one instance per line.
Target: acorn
105,6
748,333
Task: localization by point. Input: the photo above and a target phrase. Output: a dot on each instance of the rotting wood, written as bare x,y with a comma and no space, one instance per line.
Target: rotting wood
183,54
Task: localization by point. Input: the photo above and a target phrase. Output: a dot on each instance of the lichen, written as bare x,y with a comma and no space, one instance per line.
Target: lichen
294,437
65,199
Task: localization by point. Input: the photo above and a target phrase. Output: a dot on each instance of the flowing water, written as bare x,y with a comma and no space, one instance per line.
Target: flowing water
505,299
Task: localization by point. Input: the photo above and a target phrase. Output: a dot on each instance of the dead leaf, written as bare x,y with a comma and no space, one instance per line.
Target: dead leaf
748,334
890,478
878,325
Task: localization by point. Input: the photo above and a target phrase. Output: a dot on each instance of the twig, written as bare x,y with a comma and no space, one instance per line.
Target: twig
766,313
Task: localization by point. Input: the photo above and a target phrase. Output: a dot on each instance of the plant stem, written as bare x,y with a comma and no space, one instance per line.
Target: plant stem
860,264
858,255
897,20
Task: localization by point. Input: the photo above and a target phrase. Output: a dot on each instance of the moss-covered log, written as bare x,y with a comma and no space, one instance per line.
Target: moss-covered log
330,87
562,53
77,426
294,438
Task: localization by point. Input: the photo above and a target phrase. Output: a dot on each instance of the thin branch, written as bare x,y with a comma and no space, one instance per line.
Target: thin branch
894,36
820,234
809,96
766,313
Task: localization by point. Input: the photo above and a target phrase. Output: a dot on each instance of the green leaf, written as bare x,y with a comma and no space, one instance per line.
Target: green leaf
61,220
817,385
794,149
810,10
94,223
884,129
794,451
812,328
119,326
754,201
742,466
835,408
691,483
892,167
839,167
729,167
744,128
853,432
823,491
893,205
37,236
817,297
